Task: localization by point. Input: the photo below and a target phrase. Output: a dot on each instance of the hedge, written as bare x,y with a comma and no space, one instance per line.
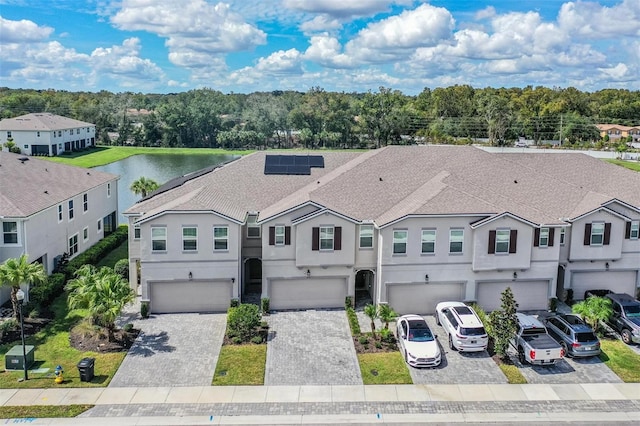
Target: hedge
97,251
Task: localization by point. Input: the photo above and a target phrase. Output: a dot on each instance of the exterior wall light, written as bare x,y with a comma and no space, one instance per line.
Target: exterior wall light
606,266
308,273
515,276
426,279
190,275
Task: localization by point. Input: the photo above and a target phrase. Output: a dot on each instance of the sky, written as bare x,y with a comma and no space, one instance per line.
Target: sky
245,46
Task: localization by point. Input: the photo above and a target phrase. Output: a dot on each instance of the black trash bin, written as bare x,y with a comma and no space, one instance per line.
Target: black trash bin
85,368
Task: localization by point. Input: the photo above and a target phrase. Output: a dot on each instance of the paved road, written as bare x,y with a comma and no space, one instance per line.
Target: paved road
173,350
311,348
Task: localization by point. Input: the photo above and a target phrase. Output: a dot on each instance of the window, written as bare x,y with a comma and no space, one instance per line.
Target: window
428,241
502,240
99,225
71,131
253,229
400,242
85,234
189,239
220,238
633,230
543,241
597,234
26,146
543,237
59,213
70,209
279,236
109,190
38,134
8,134
366,236
456,238
10,232
326,238
59,132
563,232
73,245
85,202
136,232
159,238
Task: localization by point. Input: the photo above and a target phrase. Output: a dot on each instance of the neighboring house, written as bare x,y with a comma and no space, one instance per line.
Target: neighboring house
47,134
47,209
409,225
618,131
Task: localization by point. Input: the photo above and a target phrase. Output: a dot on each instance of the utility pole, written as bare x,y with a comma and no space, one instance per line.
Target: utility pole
560,141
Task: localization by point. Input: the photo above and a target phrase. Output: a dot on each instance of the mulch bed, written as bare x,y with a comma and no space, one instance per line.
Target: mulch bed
99,342
370,347
262,332
31,327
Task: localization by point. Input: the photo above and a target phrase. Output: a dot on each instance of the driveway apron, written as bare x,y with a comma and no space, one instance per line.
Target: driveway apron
311,348
173,350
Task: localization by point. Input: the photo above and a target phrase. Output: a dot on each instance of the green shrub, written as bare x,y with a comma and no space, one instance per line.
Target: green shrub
264,305
257,340
264,324
144,309
352,317
8,325
243,320
236,340
348,302
122,268
386,335
41,295
234,303
484,318
128,327
96,252
379,345
364,340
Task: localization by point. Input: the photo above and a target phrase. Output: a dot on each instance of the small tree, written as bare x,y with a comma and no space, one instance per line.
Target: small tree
243,320
594,309
143,186
372,312
504,322
386,315
14,272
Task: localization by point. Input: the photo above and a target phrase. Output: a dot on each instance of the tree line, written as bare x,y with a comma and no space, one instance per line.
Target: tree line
321,119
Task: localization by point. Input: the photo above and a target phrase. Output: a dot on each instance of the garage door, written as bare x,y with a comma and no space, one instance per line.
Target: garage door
190,296
530,295
307,293
421,298
618,282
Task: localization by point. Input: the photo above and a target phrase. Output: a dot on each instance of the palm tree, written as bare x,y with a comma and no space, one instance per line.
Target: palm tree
386,315
143,186
371,311
594,309
14,272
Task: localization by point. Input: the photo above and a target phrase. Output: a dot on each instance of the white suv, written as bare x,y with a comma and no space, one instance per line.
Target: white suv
463,327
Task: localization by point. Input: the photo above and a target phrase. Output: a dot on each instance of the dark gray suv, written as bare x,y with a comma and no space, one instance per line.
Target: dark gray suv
626,317
576,338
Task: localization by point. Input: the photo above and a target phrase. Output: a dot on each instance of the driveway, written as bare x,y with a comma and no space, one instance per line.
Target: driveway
311,348
173,350
456,367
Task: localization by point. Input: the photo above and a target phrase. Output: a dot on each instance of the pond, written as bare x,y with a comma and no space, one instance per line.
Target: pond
159,167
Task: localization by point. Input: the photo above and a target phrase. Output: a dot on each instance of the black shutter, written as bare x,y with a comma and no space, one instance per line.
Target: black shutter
536,237
272,235
492,242
607,233
287,235
552,233
587,234
513,240
627,231
315,239
337,238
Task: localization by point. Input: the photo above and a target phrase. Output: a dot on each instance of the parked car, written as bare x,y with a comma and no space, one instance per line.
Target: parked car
521,144
574,335
533,344
464,329
626,317
417,343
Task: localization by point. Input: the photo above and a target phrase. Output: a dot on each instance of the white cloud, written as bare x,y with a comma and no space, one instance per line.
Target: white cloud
341,8
23,31
124,61
487,12
320,23
596,21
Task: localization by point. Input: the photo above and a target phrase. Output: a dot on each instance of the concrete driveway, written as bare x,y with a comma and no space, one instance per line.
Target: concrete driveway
311,348
173,350
457,368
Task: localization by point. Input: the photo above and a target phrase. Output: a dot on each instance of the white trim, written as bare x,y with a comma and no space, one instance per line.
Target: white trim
488,220
596,210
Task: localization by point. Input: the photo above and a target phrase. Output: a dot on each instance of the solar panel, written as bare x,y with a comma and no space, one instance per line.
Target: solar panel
276,164
316,161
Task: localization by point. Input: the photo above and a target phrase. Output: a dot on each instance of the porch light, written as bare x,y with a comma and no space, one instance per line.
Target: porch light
308,273
426,279
606,266
515,276
233,280
190,275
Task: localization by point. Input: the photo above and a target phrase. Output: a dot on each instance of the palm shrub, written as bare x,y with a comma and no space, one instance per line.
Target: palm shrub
17,271
504,322
371,311
243,320
594,309
386,315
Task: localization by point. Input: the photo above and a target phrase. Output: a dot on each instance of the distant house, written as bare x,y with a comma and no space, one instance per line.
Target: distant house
47,209
618,131
409,226
47,134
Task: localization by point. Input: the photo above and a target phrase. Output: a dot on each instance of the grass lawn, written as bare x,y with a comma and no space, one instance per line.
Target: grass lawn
632,165
621,359
241,365
52,349
42,411
384,368
514,376
102,155
120,252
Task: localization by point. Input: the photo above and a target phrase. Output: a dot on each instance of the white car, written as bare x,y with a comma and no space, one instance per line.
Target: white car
417,343
464,329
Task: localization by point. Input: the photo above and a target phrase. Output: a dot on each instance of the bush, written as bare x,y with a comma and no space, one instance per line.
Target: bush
122,268
353,321
256,340
364,340
236,340
41,295
264,305
243,320
8,325
234,303
386,335
144,309
128,327
96,252
348,302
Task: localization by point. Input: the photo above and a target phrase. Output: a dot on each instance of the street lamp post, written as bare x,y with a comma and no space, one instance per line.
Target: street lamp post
20,297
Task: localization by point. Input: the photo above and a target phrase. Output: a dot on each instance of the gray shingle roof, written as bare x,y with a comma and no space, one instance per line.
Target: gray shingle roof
41,121
27,187
393,182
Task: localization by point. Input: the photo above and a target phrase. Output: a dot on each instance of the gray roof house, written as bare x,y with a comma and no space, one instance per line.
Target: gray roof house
405,225
47,134
47,209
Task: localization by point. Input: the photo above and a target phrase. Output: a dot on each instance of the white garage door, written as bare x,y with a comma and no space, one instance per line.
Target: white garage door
618,282
190,296
530,295
307,293
420,298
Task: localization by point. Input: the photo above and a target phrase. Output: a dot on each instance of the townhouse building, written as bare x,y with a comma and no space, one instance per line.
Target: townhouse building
405,225
618,131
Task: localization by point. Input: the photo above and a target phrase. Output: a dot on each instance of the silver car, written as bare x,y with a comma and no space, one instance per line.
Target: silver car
576,338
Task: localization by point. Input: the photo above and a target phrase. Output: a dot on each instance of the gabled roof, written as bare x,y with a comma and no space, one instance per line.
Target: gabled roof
41,121
490,219
395,182
29,185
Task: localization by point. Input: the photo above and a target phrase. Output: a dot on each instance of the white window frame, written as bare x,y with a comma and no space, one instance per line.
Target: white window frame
189,239
428,237
503,240
136,232
85,202
221,239
10,232
71,210
366,232
543,241
60,213
563,235
99,226
456,240
252,226
85,234
400,239
597,226
326,238
634,233
73,245
279,235
158,234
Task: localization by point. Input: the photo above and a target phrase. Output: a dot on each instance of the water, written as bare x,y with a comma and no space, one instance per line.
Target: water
159,167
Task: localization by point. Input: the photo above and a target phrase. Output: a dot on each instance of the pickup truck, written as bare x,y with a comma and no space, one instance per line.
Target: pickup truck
626,317
533,343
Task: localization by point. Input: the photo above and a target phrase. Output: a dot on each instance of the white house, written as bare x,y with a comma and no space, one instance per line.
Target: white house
409,226
47,134
47,209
